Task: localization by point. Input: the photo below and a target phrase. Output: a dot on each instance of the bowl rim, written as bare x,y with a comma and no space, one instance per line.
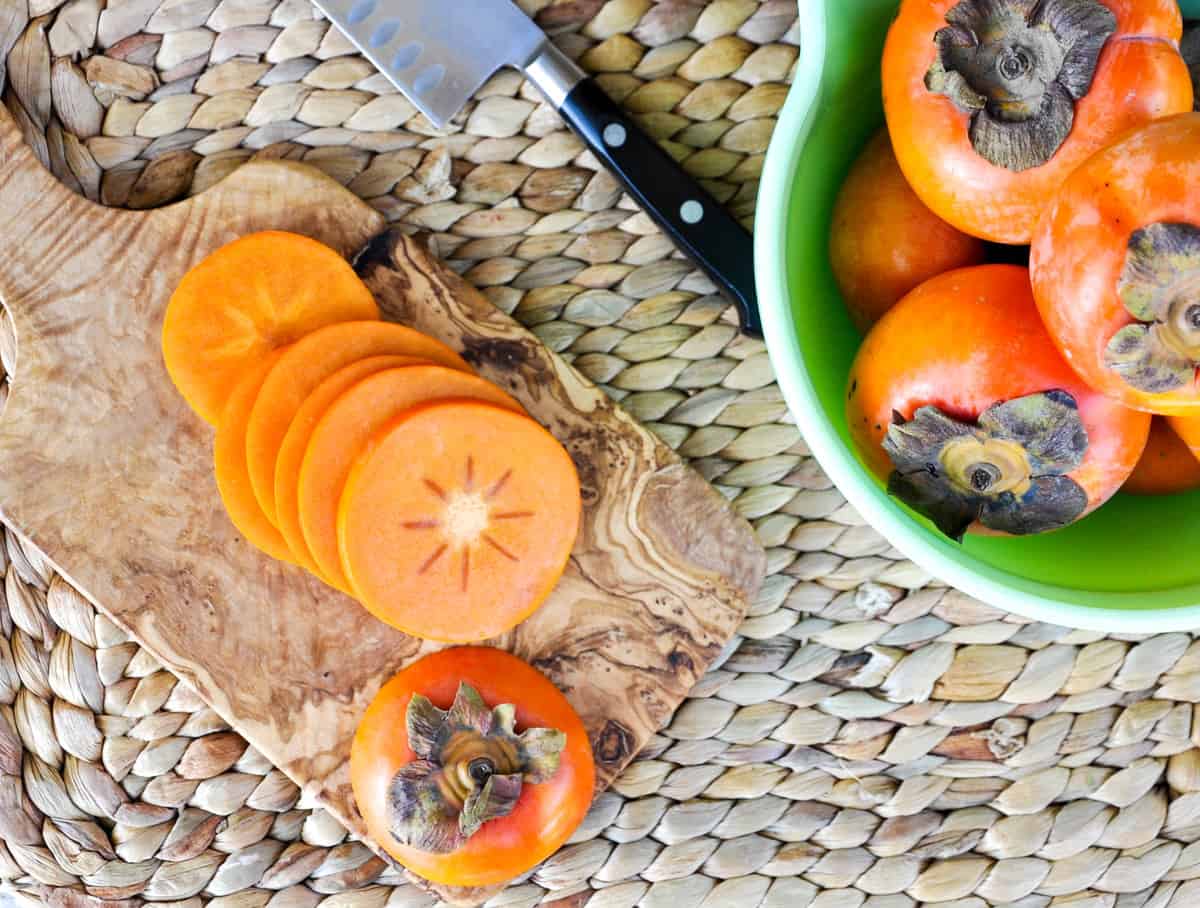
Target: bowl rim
1015,594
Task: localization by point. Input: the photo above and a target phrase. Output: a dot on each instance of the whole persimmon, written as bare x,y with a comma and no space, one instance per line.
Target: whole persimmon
960,401
992,103
470,767
1188,429
1116,268
1167,466
884,240
1189,46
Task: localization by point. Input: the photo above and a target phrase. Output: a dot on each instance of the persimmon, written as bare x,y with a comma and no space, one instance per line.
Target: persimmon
960,401
229,456
251,296
295,443
884,240
1166,467
992,103
1189,47
457,520
308,363
470,767
346,428
1188,429
1116,268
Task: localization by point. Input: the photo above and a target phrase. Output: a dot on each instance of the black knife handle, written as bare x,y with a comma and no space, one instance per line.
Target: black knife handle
698,224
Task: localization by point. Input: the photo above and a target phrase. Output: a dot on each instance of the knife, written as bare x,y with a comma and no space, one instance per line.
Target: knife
439,53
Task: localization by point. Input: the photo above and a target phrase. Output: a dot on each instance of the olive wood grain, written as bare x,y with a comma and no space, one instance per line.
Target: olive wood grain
104,467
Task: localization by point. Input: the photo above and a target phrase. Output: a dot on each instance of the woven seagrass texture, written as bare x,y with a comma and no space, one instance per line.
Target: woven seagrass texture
869,739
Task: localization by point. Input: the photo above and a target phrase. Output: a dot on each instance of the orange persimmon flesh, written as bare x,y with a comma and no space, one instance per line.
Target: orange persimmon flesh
309,362
1167,466
457,520
295,443
349,425
229,455
249,297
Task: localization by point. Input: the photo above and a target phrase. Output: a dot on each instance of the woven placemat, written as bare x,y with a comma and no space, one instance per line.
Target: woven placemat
869,739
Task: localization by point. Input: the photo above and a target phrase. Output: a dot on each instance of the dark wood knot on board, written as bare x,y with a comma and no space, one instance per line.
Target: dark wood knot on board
497,353
378,253
678,660
614,745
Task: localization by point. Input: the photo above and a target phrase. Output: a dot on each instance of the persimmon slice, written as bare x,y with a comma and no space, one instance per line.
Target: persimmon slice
457,520
346,428
229,456
308,363
295,443
251,296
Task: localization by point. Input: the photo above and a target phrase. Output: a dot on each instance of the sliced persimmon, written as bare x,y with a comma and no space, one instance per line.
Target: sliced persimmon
229,456
457,520
346,428
295,443
309,362
249,297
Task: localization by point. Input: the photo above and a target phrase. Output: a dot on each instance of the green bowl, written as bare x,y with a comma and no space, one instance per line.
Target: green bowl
1133,566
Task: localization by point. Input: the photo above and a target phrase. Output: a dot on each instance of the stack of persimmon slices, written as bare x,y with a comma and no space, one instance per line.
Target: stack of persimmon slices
365,451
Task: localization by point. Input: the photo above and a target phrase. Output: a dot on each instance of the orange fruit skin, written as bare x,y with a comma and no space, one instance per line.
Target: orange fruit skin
1082,241
1188,429
545,815
229,458
1167,466
1140,77
885,241
344,432
394,520
252,296
967,340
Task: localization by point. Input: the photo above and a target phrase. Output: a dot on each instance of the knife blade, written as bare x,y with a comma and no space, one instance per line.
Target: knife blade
439,53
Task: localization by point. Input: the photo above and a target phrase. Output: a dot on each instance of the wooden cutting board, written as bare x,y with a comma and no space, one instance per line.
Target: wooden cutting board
104,467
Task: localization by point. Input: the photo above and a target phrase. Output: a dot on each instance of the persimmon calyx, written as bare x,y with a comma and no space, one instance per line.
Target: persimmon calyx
470,767
1008,471
1018,67
1160,287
